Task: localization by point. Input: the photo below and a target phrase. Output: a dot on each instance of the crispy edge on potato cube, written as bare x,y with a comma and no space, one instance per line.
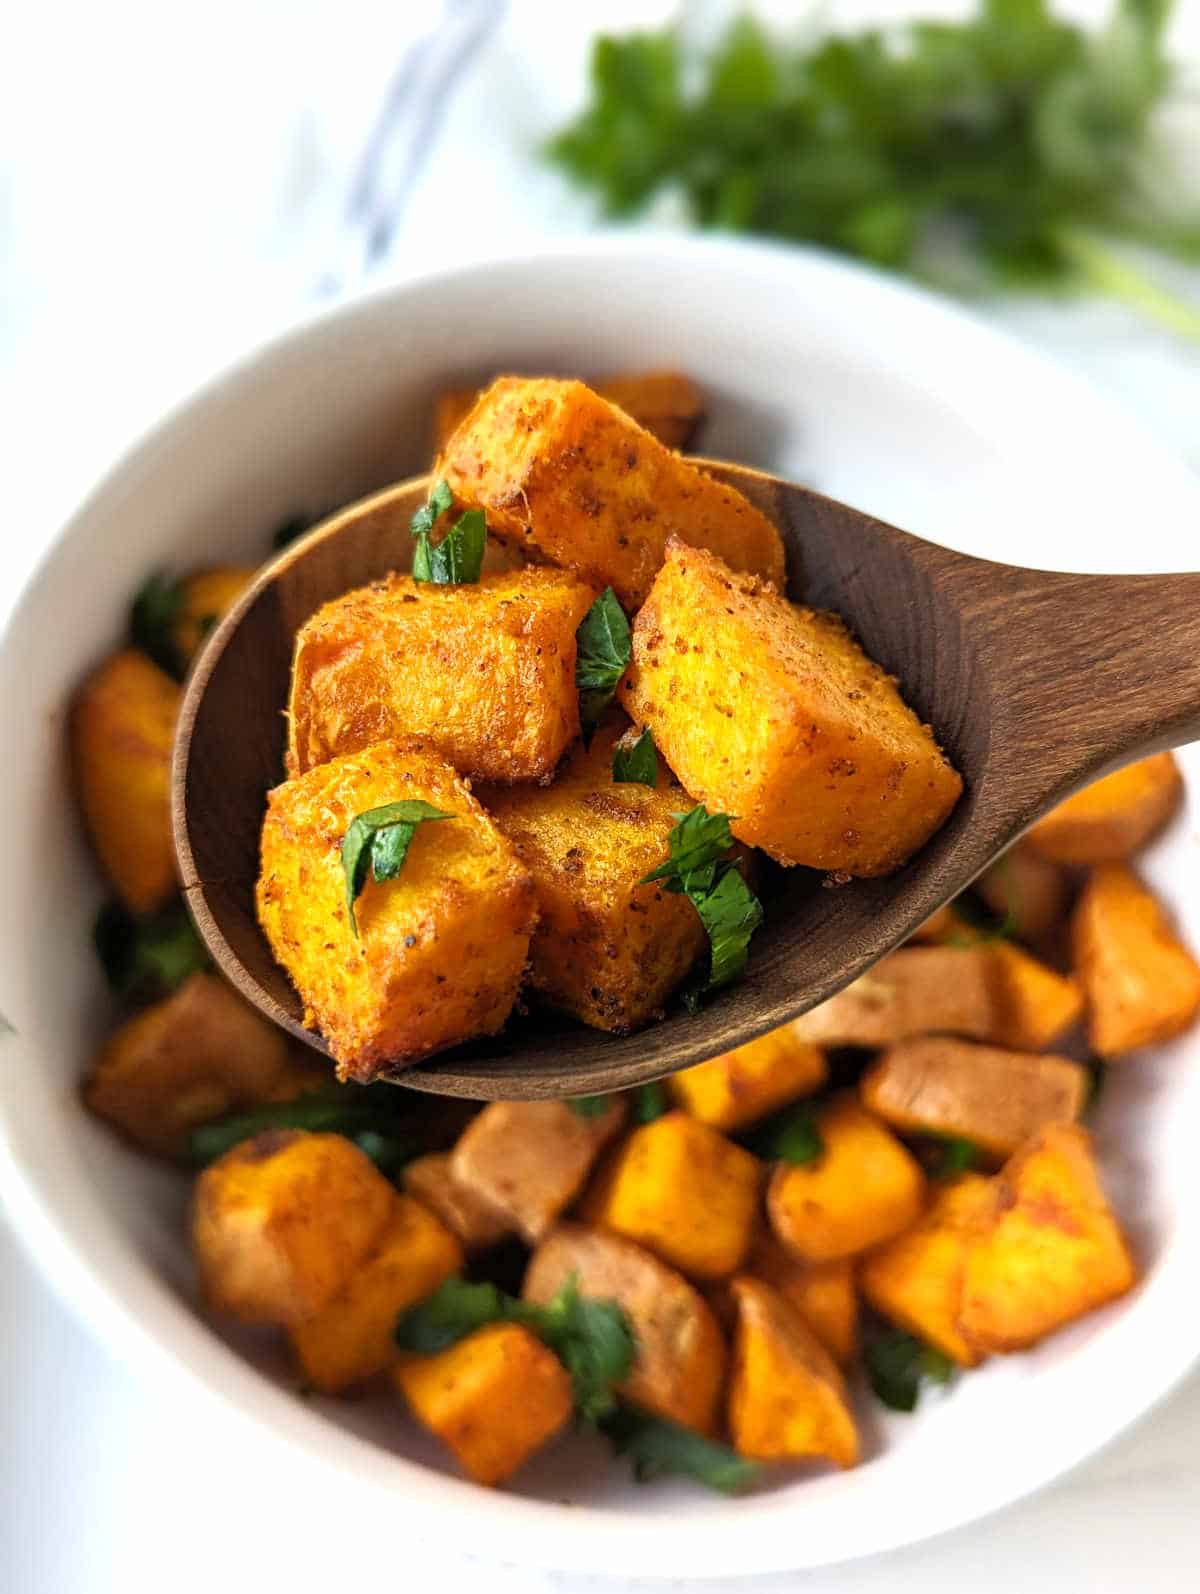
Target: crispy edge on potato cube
529,1159
607,948
910,992
916,1280
205,596
822,1292
198,1054
1048,1251
353,1337
492,1399
562,472
734,1089
1141,983
774,714
122,725
1027,891
787,1401
667,403
476,1223
683,1191
485,672
864,1188
281,1222
1109,820
995,1097
679,1366
441,948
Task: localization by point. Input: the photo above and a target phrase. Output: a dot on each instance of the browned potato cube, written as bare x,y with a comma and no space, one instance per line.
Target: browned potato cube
440,948
1048,1250
996,1098
774,715
863,1188
206,595
1142,984
528,1160
910,992
1027,890
477,1224
281,1223
749,1082
492,1399
485,672
562,472
353,1338
787,1401
1034,1004
822,1292
1109,820
122,725
679,1367
684,1191
606,948
185,1061
667,403
916,1279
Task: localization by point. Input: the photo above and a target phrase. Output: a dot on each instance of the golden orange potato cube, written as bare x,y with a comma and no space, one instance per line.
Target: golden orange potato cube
787,1400
528,1160
484,672
994,1097
440,948
1112,818
863,1188
667,403
1035,1005
562,472
1048,1251
281,1222
1142,984
823,1293
916,1279
353,1337
492,1399
774,715
200,1053
476,1223
679,1366
1027,891
607,948
122,726
751,1081
205,596
683,1191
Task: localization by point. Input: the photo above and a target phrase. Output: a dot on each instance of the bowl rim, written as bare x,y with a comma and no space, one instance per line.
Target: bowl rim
118,1294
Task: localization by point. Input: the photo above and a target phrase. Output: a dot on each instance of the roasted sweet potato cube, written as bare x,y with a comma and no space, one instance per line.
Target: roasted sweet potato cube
492,1399
667,403
1142,984
679,1367
787,1401
863,1188
683,1191
749,1082
205,595
563,472
281,1223
485,672
1049,1249
773,714
912,991
352,1339
476,1223
528,1160
188,1059
606,948
440,948
1035,1005
1027,891
122,725
996,1098
1109,820
822,1292
916,1279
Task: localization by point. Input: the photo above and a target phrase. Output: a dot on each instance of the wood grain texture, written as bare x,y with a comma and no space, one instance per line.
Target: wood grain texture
1035,683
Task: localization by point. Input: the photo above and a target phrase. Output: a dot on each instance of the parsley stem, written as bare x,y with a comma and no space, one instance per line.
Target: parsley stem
1110,273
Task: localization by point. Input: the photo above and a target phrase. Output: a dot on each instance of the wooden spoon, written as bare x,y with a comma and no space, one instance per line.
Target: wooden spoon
1035,683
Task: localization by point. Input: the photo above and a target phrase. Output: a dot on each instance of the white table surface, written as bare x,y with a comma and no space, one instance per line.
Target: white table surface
172,185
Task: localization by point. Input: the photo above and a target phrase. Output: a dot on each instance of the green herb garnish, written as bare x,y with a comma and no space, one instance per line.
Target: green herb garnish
377,842
146,959
455,1309
657,1447
588,1106
638,764
649,1102
369,1115
951,1155
897,1366
787,1136
458,559
1014,149
603,650
153,615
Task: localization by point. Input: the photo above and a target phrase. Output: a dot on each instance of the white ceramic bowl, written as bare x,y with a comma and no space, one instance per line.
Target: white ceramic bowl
875,393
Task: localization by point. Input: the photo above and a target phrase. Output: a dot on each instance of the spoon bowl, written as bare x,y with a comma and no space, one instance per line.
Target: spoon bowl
1034,682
